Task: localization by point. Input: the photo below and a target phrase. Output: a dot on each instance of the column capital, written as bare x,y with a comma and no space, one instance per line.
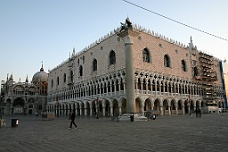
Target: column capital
127,35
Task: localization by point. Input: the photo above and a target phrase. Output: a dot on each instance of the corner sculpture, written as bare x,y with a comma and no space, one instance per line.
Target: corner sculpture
127,25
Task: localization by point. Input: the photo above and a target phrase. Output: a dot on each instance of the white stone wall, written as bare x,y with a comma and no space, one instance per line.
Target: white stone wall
158,46
158,53
99,52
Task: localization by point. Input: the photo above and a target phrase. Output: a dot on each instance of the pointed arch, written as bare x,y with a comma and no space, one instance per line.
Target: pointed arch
81,71
112,58
195,71
183,65
94,65
167,61
146,55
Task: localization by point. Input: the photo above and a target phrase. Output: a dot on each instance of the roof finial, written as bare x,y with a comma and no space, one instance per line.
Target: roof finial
26,79
191,43
42,68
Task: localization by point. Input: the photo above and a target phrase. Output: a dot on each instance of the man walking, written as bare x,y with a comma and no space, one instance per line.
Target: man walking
72,118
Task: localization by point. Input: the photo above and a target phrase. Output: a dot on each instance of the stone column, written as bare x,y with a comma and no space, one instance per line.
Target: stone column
141,85
111,111
169,109
85,111
155,86
120,110
91,110
103,111
183,109
142,110
176,108
160,88
147,86
161,108
127,36
189,107
115,85
80,111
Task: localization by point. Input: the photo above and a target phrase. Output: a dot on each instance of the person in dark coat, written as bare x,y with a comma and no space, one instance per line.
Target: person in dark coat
72,118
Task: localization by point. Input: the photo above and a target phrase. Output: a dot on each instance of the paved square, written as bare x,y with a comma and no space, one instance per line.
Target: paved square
166,133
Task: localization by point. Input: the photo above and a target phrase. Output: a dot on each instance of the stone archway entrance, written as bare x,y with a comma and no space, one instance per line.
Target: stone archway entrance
115,108
165,107
30,106
18,105
138,106
124,105
147,105
173,107
107,108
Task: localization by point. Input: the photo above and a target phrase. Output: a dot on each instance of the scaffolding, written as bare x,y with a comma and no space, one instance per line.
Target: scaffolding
208,76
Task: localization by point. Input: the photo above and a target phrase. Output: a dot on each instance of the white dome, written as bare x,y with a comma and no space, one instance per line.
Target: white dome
40,77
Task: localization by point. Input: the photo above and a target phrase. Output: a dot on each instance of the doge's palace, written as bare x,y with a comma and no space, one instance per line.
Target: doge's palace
133,70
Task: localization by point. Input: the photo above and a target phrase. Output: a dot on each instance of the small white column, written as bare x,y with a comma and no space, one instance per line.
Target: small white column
85,111
169,110
120,110
111,111
176,109
91,111
183,110
103,111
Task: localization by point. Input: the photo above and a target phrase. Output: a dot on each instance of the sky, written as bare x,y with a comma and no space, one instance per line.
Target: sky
36,31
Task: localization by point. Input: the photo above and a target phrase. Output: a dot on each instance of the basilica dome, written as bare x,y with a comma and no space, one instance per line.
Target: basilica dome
40,77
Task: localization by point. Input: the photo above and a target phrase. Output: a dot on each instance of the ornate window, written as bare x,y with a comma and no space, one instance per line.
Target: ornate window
146,55
83,59
196,73
64,77
71,76
52,83
183,65
81,71
94,65
112,58
167,61
57,80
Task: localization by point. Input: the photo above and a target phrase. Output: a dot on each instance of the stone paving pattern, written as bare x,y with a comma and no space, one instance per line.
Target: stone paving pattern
182,133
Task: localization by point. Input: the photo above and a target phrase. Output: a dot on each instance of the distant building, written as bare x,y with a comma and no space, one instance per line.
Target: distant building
24,97
225,73
132,70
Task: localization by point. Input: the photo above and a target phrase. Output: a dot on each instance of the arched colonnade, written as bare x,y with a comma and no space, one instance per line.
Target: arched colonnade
114,107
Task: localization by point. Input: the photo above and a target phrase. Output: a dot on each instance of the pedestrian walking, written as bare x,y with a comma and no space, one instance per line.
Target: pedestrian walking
72,118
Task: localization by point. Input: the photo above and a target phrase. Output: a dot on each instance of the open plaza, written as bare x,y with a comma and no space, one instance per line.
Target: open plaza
165,133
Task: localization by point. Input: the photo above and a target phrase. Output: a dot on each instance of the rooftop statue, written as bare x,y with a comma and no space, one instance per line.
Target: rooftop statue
127,25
